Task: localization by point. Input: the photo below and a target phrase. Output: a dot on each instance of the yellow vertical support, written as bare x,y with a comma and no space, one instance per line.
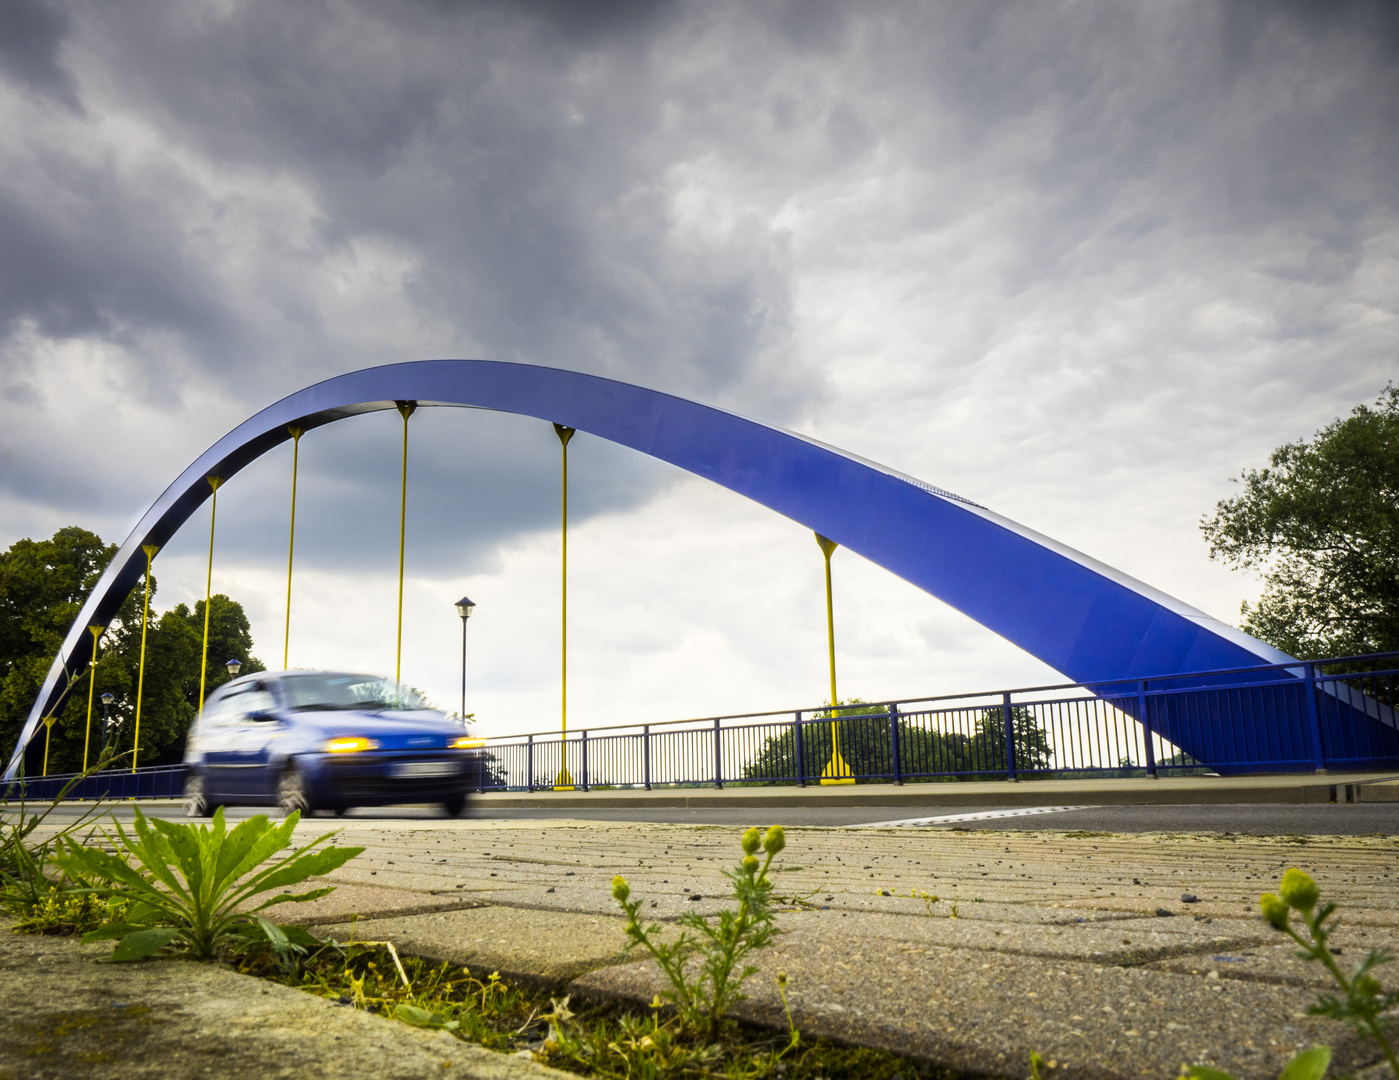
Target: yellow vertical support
150,550
564,782
96,632
49,721
214,483
836,770
406,409
291,537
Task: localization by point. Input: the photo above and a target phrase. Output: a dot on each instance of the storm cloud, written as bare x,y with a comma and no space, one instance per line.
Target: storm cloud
1078,261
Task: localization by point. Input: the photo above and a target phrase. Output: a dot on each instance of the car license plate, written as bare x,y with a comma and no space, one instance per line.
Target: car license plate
426,768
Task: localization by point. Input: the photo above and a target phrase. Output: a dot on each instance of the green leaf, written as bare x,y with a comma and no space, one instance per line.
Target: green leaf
411,1014
1310,1064
143,943
299,935
111,932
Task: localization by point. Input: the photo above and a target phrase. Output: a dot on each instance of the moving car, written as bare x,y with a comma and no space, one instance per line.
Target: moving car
309,740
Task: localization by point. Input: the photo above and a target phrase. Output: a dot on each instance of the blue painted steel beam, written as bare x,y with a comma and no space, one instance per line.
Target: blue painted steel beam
1086,620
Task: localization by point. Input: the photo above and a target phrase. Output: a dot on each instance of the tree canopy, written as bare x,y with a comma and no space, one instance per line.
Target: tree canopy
866,745
43,585
1321,525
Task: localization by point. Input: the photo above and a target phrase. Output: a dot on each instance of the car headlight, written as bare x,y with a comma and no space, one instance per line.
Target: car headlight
350,745
466,742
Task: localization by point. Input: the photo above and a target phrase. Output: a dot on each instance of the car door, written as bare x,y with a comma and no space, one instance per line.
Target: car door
218,744
258,729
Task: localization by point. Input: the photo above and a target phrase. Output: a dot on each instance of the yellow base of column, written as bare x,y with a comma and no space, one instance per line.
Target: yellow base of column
836,771
563,782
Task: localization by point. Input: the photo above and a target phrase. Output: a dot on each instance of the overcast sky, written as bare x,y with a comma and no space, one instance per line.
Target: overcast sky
1079,262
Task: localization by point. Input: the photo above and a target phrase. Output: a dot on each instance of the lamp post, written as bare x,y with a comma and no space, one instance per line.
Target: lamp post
234,666
464,608
107,698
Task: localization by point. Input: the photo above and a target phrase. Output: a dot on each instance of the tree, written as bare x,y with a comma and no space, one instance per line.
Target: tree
988,748
43,585
866,746
1321,526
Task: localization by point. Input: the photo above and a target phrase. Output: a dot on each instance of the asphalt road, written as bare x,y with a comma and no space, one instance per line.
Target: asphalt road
1266,819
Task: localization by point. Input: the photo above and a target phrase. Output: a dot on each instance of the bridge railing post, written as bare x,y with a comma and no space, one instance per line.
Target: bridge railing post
1146,729
1010,735
797,739
718,757
1314,719
646,755
894,742
529,763
585,760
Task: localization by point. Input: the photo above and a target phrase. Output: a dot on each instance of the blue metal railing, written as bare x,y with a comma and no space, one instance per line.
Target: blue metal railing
1333,714
155,782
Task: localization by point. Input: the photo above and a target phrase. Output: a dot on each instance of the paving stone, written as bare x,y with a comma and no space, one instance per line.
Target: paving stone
1275,959
969,1010
65,1016
538,947
1118,942
369,902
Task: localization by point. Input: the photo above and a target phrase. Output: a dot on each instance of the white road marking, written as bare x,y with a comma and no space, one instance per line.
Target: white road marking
953,819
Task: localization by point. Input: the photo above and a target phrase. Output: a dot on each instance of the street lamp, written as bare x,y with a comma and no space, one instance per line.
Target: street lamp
234,666
107,698
464,608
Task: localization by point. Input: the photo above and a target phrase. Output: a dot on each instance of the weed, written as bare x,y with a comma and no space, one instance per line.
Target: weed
702,1001
70,913
928,899
26,883
189,890
1362,999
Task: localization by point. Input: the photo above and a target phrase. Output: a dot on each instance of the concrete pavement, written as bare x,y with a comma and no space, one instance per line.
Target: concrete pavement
1082,947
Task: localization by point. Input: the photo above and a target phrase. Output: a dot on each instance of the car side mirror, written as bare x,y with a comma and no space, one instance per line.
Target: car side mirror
261,715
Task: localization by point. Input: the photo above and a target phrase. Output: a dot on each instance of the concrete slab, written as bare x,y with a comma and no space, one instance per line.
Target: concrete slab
1274,959
966,1010
541,948
369,902
1118,943
65,1016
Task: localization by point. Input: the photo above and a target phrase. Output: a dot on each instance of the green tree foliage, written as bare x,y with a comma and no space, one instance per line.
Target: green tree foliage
43,584
1321,526
866,745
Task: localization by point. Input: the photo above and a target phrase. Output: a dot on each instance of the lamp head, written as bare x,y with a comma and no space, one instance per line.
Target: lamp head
108,697
465,607
234,666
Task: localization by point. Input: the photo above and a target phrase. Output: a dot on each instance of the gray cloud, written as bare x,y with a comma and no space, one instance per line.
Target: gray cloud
31,32
1057,217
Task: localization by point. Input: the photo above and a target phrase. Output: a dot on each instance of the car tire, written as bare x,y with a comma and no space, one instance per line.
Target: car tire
454,805
292,793
197,798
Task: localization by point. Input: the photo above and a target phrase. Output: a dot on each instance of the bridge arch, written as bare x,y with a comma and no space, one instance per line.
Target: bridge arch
1084,619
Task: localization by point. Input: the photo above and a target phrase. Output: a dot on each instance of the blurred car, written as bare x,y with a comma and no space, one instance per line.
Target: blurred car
309,740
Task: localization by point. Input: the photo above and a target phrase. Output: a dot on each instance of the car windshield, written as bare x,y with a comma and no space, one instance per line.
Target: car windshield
328,691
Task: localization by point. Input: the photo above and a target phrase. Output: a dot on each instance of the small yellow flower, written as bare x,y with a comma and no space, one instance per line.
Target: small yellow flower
775,840
1299,891
751,841
1274,911
750,863
620,889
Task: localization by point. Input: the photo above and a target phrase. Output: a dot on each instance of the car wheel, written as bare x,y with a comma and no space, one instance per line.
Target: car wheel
454,805
197,797
292,794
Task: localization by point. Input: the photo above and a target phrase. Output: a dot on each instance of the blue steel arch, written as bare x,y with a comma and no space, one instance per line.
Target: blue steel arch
1082,618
